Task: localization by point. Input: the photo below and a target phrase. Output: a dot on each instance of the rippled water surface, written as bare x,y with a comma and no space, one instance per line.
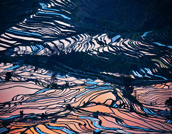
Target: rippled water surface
61,72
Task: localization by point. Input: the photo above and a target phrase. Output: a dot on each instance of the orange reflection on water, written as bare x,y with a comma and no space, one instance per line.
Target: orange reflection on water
10,89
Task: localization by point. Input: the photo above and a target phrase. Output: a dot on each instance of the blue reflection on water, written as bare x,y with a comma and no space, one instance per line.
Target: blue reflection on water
23,33
94,88
96,123
61,128
39,131
64,16
43,5
11,117
145,129
14,67
43,90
